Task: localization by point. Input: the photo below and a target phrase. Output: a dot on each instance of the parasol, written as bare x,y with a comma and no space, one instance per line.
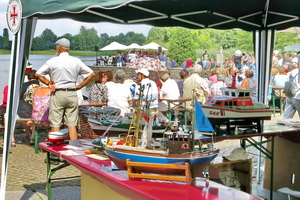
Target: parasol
133,46
294,47
114,46
147,63
154,46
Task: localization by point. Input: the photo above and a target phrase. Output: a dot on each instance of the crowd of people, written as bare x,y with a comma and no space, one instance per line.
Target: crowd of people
124,59
285,67
52,93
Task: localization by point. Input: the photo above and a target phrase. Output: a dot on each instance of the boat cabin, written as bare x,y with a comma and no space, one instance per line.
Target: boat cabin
232,98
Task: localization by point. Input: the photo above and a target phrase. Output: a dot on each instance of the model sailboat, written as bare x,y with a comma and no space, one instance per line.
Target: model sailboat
179,148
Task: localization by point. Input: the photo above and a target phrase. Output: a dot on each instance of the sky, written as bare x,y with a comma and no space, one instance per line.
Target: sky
63,26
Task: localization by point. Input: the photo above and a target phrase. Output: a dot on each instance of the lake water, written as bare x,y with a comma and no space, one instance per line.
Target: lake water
36,60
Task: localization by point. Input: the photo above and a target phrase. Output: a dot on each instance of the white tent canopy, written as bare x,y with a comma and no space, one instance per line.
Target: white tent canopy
153,46
294,47
134,46
114,46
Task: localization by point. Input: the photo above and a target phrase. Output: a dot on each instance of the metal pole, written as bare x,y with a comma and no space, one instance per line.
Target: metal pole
49,189
272,168
259,160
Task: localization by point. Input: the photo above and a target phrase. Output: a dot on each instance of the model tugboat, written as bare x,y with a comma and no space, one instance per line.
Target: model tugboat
235,104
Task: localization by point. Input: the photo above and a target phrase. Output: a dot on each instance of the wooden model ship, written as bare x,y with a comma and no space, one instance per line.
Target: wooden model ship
175,148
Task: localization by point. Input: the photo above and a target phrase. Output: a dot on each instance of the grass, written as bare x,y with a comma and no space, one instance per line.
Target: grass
2,51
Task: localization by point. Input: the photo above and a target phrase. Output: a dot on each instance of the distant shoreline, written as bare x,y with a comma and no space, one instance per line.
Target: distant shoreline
72,52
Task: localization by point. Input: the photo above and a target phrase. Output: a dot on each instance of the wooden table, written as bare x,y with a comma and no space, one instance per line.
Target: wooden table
270,131
98,180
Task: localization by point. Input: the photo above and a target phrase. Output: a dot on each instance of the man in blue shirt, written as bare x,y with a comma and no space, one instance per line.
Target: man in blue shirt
173,63
119,59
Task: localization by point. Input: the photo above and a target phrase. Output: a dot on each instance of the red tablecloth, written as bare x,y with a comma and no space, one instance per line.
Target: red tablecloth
100,170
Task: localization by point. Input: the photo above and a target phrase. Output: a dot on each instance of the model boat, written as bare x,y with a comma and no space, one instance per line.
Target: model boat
235,104
174,148
100,119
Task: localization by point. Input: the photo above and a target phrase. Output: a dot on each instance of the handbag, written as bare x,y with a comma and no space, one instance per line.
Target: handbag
290,87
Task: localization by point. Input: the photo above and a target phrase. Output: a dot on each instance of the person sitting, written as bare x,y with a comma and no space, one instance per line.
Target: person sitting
250,83
99,92
215,87
119,95
184,74
280,79
169,90
25,101
40,107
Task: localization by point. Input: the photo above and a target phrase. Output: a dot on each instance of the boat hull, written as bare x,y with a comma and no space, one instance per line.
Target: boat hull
213,112
119,157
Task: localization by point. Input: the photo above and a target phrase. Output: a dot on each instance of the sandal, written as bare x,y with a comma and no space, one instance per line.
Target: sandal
31,142
13,144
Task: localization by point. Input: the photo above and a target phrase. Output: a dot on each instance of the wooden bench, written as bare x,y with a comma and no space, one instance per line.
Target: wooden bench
186,167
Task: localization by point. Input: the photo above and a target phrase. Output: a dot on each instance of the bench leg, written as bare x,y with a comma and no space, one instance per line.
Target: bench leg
36,138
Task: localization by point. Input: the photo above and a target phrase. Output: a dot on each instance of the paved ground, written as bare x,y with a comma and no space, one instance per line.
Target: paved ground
27,173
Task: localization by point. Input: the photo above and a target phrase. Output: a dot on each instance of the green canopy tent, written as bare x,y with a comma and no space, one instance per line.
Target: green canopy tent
263,17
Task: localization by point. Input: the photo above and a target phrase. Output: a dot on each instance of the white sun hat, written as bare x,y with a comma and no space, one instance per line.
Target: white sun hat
237,154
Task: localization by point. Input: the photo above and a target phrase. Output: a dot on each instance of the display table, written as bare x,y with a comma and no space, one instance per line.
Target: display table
100,182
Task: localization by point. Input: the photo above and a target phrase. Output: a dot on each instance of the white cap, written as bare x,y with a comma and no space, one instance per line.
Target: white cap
63,42
143,71
238,53
276,52
237,154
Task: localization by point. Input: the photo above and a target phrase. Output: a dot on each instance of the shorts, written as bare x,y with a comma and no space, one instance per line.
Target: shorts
63,106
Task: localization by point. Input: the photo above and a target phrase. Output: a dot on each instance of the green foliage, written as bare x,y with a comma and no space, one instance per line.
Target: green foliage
244,41
158,35
87,39
5,33
181,44
105,40
49,39
228,39
45,41
5,43
284,39
204,40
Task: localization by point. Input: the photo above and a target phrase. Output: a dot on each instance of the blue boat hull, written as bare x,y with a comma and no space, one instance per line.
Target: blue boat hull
119,158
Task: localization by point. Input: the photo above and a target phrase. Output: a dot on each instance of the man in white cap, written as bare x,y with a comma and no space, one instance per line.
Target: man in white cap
64,71
195,86
147,92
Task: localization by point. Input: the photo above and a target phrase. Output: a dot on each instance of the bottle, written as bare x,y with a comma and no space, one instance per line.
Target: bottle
236,131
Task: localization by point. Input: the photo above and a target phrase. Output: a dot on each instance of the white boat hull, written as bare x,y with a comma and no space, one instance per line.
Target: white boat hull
226,113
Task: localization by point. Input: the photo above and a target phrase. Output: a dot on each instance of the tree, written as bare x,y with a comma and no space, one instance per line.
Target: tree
5,33
49,39
204,40
181,44
87,39
228,39
132,37
244,40
284,39
158,35
105,40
